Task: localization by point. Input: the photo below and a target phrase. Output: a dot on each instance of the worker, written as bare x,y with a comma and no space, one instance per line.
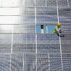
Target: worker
42,29
58,30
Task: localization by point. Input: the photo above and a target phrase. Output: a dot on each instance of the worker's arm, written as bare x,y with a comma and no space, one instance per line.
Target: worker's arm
58,30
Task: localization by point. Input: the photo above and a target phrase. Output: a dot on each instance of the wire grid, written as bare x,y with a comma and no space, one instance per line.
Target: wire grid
21,48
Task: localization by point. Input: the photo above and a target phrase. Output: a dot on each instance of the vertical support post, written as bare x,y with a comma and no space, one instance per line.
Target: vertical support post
35,34
68,2
23,61
11,47
59,37
46,29
22,8
49,60
45,3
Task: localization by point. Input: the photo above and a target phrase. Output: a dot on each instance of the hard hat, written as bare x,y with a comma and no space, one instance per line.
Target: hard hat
59,25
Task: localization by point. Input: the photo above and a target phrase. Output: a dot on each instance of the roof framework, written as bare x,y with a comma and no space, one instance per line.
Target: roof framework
21,48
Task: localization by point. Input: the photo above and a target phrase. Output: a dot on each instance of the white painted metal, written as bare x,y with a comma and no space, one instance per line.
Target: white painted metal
42,31
59,37
35,33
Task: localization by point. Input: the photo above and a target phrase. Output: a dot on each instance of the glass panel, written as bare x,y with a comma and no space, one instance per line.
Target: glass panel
5,62
28,3
10,3
17,62
9,11
51,3
62,3
9,19
40,3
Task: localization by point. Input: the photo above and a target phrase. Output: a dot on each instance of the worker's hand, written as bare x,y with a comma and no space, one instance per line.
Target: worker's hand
60,31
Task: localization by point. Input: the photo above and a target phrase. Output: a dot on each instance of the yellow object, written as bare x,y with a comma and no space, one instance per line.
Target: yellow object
59,25
55,29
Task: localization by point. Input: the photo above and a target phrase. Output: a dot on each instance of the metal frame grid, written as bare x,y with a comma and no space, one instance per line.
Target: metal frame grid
21,48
